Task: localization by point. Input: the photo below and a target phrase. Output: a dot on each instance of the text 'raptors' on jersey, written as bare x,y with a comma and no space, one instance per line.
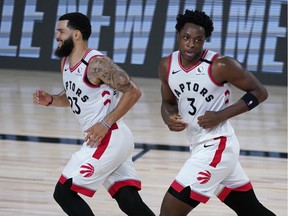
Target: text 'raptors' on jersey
89,106
197,92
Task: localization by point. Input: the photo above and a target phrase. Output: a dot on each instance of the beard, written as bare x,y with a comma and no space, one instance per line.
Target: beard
66,48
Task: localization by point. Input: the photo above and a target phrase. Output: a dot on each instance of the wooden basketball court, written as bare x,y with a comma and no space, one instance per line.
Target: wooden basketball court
36,142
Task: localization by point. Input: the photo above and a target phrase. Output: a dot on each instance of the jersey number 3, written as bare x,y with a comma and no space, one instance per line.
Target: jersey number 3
193,110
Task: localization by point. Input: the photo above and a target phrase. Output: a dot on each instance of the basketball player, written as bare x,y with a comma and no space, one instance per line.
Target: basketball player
92,86
196,96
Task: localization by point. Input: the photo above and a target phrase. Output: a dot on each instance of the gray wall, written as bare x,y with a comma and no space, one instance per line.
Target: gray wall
137,34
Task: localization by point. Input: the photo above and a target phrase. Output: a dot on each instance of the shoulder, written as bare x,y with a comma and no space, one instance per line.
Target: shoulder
225,63
164,61
101,62
226,68
99,58
163,67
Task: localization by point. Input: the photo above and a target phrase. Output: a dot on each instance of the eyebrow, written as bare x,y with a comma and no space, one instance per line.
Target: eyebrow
60,29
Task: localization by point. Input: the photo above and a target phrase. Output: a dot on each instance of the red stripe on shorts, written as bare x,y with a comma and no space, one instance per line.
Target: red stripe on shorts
199,197
129,182
82,190
218,154
104,143
193,195
77,188
176,186
226,191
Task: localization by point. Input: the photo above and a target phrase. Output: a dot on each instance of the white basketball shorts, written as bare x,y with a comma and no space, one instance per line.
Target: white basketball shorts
110,164
213,168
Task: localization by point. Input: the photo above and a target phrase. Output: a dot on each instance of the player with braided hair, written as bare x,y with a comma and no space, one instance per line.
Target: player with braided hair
196,96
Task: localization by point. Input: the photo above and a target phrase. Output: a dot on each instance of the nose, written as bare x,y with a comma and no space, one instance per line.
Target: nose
57,35
191,43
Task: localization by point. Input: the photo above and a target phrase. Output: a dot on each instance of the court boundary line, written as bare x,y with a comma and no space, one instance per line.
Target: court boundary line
144,146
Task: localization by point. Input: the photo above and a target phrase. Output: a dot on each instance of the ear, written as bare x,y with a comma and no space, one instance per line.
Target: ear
177,36
77,35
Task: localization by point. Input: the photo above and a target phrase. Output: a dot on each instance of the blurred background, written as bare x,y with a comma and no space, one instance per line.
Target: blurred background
138,33
35,141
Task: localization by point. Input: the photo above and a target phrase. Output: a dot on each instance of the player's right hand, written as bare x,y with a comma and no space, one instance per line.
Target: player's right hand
175,123
41,98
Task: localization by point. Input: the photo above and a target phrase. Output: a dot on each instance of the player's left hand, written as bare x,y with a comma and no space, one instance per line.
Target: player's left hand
95,134
210,119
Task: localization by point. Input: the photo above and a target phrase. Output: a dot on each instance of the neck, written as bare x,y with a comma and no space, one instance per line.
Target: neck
187,63
77,54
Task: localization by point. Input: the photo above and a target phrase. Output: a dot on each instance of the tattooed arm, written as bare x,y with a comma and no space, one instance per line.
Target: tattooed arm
103,69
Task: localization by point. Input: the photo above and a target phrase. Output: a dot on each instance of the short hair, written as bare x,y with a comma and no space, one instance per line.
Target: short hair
198,18
78,21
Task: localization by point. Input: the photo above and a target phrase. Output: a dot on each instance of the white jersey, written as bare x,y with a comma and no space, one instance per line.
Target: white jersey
197,92
88,102
110,163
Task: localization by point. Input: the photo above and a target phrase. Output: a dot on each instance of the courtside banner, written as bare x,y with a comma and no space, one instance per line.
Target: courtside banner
136,34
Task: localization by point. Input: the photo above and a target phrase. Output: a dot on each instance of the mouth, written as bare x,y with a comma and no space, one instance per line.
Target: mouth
189,53
59,43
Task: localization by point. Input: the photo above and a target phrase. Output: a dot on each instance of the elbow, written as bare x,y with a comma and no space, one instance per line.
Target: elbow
136,94
135,91
139,93
264,94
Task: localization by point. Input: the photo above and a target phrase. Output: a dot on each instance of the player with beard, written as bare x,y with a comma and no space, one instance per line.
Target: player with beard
92,86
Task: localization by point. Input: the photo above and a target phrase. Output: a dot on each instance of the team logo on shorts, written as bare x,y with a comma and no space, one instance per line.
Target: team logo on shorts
87,170
204,177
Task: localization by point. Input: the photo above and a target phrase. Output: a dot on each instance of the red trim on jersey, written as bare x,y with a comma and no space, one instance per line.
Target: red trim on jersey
129,182
86,53
226,191
204,53
106,102
169,67
105,92
227,92
193,195
85,73
80,62
77,188
193,66
104,143
210,71
218,154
